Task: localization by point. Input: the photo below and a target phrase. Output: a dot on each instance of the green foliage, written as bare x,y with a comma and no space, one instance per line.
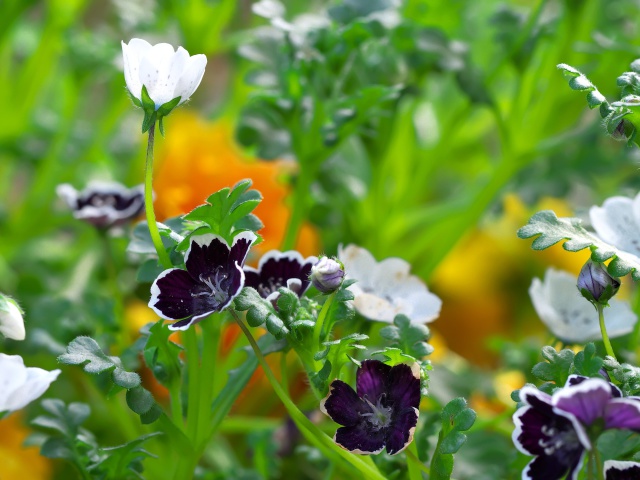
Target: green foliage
408,337
456,418
556,367
161,355
549,230
626,376
122,462
335,356
587,362
260,312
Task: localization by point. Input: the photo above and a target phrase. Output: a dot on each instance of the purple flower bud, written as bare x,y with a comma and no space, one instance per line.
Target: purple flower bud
327,275
595,283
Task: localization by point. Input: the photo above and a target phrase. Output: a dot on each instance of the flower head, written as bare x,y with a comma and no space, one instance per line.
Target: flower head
617,470
11,322
382,412
617,222
385,289
595,284
212,279
104,204
166,73
20,385
280,269
569,316
327,275
554,428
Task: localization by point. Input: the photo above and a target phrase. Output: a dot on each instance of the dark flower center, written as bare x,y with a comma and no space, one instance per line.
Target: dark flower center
105,200
272,284
380,416
557,439
215,288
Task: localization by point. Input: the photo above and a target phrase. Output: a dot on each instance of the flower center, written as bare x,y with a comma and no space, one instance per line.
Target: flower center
271,285
216,291
380,416
556,439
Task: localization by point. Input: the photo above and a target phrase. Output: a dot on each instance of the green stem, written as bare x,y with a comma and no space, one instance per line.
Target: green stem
148,203
299,205
112,279
308,428
175,391
317,329
603,330
598,462
414,464
210,346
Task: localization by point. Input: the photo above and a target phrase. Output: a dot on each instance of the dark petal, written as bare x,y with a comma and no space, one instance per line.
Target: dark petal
623,413
207,254
586,401
555,467
277,269
578,379
360,439
240,247
400,431
171,294
403,388
536,399
342,404
371,380
183,324
251,277
616,470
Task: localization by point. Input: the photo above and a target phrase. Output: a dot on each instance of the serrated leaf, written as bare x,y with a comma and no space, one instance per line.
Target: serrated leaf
161,355
549,230
557,367
123,461
456,417
586,362
408,337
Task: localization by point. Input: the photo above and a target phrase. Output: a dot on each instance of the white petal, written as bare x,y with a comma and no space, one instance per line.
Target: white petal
389,275
36,383
615,223
154,66
11,322
374,307
69,194
131,54
358,264
12,375
191,77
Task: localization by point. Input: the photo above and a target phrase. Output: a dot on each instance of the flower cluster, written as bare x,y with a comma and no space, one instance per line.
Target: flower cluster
558,429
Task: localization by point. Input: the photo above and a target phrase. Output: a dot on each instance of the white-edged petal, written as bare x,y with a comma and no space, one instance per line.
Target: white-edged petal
190,78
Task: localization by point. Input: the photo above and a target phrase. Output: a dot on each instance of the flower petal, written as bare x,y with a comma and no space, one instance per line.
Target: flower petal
13,374
131,54
617,470
360,439
615,223
240,247
168,76
586,401
371,380
555,467
190,78
622,413
154,65
206,254
171,294
400,432
403,387
578,379
342,404
36,383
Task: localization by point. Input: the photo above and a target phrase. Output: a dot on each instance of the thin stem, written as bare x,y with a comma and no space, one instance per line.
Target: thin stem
317,329
112,279
309,430
414,464
148,203
598,462
193,368
603,330
210,346
175,391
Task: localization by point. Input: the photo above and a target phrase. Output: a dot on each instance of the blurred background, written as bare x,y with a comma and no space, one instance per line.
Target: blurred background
446,125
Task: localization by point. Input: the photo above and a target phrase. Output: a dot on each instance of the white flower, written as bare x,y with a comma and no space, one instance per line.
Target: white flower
20,385
166,73
617,222
385,289
570,316
11,322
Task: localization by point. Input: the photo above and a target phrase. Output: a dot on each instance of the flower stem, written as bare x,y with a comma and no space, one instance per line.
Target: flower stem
414,464
112,279
148,203
317,330
175,391
211,327
308,428
603,330
598,462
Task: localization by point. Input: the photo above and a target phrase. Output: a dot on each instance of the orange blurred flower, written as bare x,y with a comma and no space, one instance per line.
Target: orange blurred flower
198,158
19,461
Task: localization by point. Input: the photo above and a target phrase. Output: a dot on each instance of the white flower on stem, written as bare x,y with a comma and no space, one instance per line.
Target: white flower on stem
570,316
617,222
385,289
11,322
166,73
20,385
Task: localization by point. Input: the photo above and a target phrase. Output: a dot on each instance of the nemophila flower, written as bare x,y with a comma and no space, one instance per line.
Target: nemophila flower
11,321
595,284
20,385
382,412
385,289
617,222
569,316
618,470
327,275
212,279
280,269
166,73
104,204
554,428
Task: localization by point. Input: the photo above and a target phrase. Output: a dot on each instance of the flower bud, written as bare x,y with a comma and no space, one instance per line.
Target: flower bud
595,283
11,322
327,275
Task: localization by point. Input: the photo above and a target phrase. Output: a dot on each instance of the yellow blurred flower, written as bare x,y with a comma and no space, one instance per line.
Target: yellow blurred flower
484,280
198,158
19,462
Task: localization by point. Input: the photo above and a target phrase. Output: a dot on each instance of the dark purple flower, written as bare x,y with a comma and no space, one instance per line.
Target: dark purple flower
327,275
553,428
578,379
104,204
595,284
280,269
616,470
213,278
383,412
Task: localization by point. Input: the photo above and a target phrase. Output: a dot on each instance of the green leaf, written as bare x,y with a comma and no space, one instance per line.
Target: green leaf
124,461
147,102
408,337
66,419
166,108
456,417
86,352
140,400
258,309
626,375
587,363
161,355
557,366
549,230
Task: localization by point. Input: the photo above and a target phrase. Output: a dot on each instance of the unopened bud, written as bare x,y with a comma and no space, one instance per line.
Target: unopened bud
595,283
327,275
11,322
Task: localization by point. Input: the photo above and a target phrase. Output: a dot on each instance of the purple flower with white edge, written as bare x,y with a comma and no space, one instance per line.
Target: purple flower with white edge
327,275
383,412
595,284
385,289
212,279
618,470
104,204
280,269
553,428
